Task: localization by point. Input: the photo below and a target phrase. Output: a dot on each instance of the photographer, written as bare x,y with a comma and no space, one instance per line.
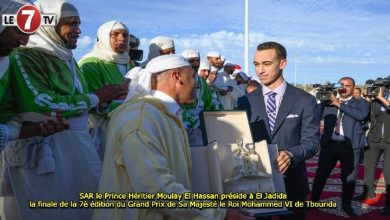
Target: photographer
379,142
343,140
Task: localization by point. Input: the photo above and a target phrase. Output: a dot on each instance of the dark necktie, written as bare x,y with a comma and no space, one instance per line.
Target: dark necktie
271,109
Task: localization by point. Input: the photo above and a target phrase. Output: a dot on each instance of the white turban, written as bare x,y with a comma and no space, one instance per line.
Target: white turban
46,39
159,43
214,54
141,78
188,54
204,66
10,7
102,49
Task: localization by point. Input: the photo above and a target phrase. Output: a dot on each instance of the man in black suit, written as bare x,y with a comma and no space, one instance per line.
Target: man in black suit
286,116
343,140
379,142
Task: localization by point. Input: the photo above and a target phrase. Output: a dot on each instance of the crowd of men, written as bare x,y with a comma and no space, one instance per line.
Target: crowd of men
110,124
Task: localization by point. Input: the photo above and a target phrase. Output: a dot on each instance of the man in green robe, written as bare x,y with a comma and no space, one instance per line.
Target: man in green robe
106,64
214,90
203,101
48,81
11,38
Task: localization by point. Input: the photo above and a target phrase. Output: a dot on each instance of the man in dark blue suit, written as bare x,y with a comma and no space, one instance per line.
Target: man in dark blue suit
286,116
343,140
379,145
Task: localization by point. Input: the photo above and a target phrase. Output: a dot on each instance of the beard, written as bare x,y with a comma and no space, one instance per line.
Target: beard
69,44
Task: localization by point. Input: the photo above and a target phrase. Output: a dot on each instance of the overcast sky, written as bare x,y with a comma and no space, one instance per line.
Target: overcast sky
330,38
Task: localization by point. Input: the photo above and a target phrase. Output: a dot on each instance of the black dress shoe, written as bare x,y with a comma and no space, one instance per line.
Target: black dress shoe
349,210
385,211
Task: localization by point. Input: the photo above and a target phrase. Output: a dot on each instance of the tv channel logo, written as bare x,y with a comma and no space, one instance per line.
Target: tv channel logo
28,19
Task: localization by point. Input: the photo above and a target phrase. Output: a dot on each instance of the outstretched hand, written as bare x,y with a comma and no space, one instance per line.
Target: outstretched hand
110,92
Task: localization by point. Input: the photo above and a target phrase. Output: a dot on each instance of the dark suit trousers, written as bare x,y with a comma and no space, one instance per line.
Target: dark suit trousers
371,157
328,158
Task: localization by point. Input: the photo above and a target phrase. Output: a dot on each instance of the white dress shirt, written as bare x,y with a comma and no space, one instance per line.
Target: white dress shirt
280,90
171,104
340,137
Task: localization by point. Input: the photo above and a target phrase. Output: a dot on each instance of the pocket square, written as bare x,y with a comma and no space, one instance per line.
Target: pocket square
292,116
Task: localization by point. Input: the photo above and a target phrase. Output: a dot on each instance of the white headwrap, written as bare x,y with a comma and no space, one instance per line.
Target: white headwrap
46,39
214,54
188,54
204,66
10,7
141,78
102,49
159,43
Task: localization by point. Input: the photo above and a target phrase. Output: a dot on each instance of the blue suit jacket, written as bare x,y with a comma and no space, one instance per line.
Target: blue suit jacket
296,129
355,112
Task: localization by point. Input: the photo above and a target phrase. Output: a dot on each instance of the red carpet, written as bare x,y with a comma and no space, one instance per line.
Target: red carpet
332,191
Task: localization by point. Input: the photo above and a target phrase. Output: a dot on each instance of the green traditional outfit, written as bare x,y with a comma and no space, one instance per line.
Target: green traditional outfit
47,85
8,131
101,67
191,112
45,79
217,104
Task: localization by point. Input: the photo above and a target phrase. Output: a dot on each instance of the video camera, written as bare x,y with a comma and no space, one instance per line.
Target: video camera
134,53
326,90
374,85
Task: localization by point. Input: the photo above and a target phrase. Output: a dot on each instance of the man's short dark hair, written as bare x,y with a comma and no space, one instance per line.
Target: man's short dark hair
280,50
348,78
